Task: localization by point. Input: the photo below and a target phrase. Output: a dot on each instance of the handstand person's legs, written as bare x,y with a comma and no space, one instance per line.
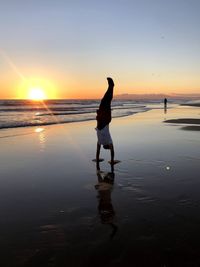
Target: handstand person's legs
107,98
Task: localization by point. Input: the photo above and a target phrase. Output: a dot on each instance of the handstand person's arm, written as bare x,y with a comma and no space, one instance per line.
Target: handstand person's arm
107,98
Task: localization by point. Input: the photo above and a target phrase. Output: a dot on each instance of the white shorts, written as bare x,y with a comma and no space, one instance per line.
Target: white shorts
103,136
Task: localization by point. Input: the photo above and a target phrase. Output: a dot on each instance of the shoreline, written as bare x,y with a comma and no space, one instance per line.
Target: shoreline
75,117
67,122
132,116
189,124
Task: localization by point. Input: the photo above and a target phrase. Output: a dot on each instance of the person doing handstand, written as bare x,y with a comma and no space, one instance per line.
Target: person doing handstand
103,119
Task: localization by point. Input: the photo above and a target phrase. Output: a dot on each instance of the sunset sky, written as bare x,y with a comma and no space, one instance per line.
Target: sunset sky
68,47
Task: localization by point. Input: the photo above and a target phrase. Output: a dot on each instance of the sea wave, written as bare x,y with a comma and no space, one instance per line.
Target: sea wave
24,113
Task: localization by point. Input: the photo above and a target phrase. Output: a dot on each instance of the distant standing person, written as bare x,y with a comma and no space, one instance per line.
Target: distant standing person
103,119
165,103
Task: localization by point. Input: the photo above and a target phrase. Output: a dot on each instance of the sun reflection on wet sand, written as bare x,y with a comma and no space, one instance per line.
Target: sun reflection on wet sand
42,138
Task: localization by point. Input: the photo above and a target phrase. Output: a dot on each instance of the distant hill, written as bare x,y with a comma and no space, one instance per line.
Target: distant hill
156,96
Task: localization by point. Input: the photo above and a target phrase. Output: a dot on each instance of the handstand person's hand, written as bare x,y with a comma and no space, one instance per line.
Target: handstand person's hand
110,81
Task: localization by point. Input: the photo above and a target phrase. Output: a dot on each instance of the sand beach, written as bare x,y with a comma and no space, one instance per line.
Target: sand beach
58,210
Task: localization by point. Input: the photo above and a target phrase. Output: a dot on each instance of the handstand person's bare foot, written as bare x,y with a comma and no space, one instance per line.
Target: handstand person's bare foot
110,81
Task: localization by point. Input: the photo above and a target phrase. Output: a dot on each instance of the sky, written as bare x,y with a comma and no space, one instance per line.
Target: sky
69,47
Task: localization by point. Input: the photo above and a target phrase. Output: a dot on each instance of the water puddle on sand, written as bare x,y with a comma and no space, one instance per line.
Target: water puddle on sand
185,202
190,158
146,199
155,162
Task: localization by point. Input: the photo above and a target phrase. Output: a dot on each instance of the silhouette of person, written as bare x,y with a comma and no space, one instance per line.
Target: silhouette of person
103,119
165,105
105,207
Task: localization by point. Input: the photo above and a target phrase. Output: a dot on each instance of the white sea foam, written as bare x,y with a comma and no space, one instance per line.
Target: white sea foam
23,113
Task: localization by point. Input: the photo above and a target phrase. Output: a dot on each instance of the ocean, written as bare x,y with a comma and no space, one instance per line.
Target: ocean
24,113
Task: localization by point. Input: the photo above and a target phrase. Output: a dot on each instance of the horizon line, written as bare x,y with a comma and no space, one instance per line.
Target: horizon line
150,95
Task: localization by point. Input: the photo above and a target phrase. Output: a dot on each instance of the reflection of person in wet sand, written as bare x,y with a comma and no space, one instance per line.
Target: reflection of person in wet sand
105,207
103,119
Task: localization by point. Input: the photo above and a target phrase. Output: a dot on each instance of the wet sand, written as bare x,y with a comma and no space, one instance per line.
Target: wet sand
57,210
192,104
184,121
192,122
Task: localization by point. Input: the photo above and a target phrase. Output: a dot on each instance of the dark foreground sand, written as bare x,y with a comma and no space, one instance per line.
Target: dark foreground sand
57,210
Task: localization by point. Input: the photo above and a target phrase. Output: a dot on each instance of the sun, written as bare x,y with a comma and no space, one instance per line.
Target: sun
37,89
36,94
